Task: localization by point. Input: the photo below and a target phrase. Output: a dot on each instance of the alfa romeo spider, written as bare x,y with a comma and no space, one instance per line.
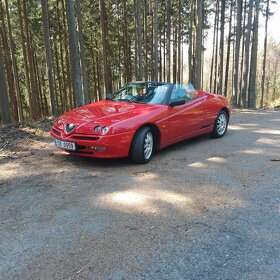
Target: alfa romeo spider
139,119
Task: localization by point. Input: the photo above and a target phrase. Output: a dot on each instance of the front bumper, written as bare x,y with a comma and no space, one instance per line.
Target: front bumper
115,146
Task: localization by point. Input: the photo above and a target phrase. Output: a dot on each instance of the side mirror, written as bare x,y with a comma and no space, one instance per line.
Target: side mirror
177,102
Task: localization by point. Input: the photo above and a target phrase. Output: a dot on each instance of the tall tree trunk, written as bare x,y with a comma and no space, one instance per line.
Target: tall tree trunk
254,58
33,62
164,49
64,84
139,41
68,81
179,41
190,37
146,41
126,45
237,52
39,78
275,76
8,62
135,41
28,68
31,49
105,45
82,51
168,39
221,51
228,50
74,51
175,33
156,40
14,66
49,57
58,85
242,52
182,64
4,101
216,51
119,40
216,24
247,55
100,81
199,46
264,52
160,58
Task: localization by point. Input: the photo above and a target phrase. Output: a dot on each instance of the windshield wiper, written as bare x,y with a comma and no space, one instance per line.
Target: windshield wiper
125,100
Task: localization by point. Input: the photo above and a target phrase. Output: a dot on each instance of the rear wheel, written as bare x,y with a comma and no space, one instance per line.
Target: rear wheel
221,124
142,146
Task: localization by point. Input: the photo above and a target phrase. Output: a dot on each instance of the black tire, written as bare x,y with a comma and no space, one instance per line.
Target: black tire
221,124
137,149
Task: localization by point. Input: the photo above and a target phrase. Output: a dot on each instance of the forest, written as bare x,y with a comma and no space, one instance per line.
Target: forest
60,54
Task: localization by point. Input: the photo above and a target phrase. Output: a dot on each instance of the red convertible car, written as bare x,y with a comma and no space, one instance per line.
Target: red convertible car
140,118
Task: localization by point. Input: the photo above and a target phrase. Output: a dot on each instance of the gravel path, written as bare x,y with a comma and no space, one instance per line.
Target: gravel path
202,209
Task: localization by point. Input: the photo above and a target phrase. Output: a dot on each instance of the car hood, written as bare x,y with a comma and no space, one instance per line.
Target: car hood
104,113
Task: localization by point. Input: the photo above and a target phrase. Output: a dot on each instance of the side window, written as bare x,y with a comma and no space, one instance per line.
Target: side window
180,91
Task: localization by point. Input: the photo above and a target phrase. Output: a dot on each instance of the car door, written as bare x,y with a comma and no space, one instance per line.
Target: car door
188,118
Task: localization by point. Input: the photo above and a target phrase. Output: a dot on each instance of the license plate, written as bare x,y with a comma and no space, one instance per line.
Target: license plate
65,145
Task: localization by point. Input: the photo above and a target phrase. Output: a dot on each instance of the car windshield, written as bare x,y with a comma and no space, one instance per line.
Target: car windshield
147,93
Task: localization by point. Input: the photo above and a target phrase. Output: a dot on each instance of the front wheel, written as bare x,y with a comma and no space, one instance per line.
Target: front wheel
142,146
221,124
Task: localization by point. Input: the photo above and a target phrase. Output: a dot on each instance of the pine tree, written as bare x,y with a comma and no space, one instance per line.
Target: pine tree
49,57
4,102
74,51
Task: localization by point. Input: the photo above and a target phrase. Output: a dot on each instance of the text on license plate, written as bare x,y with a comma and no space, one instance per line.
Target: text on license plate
65,145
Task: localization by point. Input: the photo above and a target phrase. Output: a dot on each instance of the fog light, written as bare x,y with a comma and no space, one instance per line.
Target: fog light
100,149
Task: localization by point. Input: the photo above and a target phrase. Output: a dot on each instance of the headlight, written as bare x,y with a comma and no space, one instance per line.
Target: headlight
105,129
96,128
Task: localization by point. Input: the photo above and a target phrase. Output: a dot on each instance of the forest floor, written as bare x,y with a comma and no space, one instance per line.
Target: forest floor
201,209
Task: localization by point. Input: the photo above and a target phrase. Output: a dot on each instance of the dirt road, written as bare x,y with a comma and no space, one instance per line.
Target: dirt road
202,209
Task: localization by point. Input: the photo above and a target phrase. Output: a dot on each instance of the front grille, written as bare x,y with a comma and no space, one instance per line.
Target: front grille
85,138
56,132
80,147
69,127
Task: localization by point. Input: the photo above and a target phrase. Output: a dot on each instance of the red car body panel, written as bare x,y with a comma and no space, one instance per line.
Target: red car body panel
174,124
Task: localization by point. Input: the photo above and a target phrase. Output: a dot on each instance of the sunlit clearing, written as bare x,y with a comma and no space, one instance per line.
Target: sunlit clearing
128,197
172,197
143,176
10,170
217,159
269,141
248,124
198,165
148,201
253,151
8,174
236,127
268,131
